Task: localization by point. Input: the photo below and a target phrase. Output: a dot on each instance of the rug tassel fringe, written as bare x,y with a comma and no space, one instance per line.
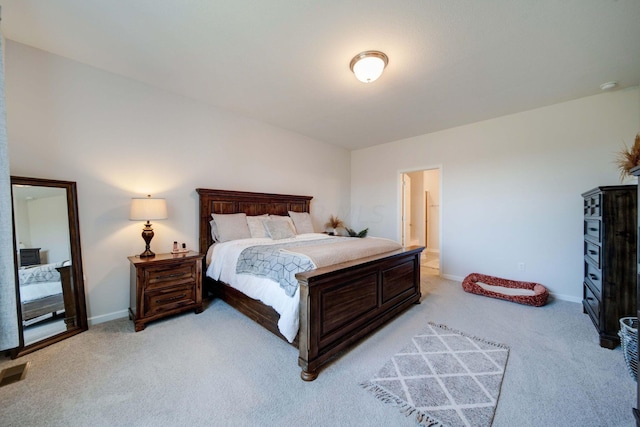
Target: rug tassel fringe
455,331
405,409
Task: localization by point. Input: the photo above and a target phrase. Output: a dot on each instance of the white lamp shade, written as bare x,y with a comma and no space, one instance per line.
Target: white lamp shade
368,66
144,209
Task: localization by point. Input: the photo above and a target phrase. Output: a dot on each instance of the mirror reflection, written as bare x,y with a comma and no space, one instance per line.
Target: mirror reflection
49,265
44,259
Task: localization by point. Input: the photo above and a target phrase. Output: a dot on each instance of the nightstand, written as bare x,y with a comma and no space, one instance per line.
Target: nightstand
163,285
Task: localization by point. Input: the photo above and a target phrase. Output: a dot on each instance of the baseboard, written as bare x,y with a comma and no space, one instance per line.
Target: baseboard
568,298
452,277
106,317
432,250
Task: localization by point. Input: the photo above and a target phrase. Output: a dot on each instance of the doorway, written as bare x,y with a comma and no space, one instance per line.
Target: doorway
420,215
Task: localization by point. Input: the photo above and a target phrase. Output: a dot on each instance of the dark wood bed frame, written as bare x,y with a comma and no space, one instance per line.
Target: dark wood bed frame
54,303
339,304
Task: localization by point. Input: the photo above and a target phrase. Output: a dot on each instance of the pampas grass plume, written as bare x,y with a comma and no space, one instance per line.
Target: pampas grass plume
629,158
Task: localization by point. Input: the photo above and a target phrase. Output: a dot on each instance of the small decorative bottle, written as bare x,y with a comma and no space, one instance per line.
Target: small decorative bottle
175,246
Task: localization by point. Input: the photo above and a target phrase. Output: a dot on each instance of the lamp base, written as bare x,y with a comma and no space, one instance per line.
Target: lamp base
147,235
147,254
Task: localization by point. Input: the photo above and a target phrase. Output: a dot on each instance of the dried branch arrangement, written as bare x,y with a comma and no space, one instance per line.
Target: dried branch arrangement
334,222
629,158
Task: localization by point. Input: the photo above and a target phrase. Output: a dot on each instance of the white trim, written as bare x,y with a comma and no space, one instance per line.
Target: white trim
107,317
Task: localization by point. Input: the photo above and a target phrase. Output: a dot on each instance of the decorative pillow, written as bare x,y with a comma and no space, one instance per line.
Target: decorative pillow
230,227
278,229
285,219
214,230
256,225
302,222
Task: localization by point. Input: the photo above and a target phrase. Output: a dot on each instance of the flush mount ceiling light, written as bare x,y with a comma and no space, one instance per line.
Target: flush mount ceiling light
608,85
368,66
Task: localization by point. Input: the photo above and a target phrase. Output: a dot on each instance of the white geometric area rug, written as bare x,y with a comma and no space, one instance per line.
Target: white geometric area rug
444,378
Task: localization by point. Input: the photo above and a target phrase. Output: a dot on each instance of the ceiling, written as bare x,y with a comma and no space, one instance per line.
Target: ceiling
286,63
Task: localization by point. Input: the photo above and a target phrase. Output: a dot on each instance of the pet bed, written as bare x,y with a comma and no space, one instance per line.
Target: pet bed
528,293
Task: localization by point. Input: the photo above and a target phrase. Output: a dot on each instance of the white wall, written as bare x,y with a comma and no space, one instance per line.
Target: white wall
48,221
119,139
417,208
510,187
432,186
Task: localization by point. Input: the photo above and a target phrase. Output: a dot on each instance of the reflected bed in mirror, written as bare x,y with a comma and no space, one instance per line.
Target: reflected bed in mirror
49,278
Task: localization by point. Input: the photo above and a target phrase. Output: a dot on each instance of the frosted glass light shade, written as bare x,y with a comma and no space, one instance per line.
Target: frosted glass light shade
144,209
368,66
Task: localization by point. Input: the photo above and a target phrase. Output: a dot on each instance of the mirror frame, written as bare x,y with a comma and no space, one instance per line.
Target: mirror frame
76,265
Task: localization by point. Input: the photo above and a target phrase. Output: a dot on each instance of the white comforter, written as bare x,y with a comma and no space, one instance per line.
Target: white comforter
224,257
224,260
39,281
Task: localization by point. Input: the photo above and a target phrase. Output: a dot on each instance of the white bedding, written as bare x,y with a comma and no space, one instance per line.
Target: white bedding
224,257
39,290
39,281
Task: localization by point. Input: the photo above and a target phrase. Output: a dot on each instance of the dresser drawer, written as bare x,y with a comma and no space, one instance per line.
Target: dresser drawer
592,229
161,301
593,275
169,276
592,205
591,305
592,252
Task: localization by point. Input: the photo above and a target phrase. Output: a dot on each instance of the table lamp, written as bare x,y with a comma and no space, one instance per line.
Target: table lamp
146,209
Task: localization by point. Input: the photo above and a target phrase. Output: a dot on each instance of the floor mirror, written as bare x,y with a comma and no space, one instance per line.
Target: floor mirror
49,277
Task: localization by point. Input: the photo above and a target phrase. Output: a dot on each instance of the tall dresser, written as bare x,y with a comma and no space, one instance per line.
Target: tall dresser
610,265
636,413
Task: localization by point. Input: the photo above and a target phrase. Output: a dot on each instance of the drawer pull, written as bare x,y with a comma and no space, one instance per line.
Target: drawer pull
593,229
593,276
169,276
592,252
177,297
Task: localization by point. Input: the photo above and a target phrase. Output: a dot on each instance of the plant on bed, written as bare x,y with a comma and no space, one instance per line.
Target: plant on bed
361,234
629,158
334,223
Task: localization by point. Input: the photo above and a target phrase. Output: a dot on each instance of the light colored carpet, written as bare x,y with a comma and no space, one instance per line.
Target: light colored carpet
219,368
443,377
434,263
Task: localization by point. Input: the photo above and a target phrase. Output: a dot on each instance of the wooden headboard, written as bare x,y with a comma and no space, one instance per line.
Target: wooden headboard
227,202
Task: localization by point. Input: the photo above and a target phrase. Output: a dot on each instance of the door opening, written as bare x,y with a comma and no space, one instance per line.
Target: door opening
420,214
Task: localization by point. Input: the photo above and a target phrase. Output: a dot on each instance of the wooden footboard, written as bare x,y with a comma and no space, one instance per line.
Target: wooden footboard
343,303
338,304
42,306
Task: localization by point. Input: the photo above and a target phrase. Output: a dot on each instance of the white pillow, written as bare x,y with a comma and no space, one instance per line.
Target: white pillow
278,229
230,227
256,225
285,219
302,222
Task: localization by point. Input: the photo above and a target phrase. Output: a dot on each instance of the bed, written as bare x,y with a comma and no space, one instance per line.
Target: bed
338,304
43,289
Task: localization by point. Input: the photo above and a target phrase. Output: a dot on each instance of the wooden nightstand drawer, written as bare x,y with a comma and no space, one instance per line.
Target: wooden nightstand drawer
168,299
163,285
169,276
